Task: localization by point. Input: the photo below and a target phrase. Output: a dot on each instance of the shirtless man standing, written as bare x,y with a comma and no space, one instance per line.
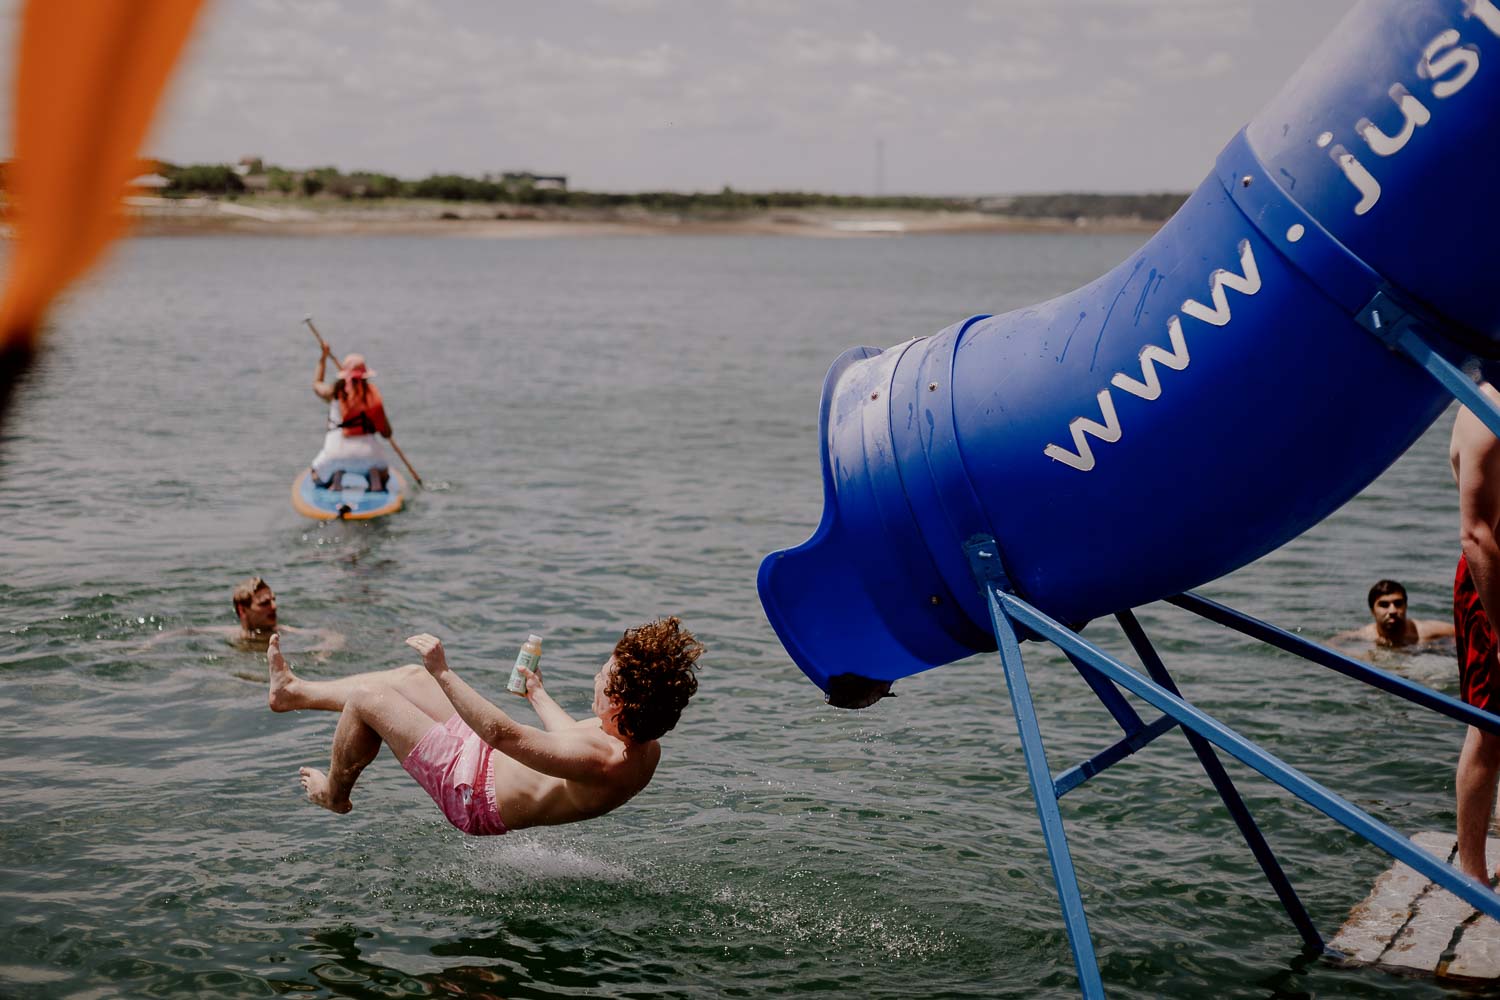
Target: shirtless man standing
486,771
1475,454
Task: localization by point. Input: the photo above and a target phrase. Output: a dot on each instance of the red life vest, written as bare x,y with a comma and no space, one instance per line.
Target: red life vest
361,409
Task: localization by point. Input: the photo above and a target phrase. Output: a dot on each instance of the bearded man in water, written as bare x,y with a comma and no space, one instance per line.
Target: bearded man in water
1392,627
486,771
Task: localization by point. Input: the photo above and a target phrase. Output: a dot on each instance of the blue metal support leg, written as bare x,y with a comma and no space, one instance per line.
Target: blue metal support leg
1404,333
1214,768
1470,890
1110,697
1037,770
986,569
1112,755
1011,616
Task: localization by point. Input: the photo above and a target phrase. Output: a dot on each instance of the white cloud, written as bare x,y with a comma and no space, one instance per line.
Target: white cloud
306,11
1171,64
1034,17
813,49
1156,20
631,6
789,8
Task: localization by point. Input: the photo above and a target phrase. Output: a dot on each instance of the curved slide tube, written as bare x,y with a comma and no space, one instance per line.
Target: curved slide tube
1207,400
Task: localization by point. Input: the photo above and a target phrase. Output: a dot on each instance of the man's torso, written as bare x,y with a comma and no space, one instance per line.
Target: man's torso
527,797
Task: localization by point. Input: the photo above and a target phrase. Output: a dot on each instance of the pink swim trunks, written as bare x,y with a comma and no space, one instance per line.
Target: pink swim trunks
458,771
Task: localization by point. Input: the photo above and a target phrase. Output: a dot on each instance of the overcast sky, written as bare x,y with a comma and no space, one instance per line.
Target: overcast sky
964,96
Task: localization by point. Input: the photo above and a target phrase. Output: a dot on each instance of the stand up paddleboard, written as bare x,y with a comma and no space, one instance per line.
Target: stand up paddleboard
352,503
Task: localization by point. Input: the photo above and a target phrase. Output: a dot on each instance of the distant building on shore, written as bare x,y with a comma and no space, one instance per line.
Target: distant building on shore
518,179
252,171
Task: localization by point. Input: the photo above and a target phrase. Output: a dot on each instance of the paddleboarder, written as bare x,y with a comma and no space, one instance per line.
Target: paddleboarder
356,424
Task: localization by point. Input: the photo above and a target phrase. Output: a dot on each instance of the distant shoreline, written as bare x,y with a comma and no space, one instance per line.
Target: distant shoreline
414,217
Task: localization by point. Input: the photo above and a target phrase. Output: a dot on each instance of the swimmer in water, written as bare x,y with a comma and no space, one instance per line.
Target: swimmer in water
255,606
1392,628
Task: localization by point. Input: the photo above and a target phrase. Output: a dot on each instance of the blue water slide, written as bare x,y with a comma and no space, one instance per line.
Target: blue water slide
1210,398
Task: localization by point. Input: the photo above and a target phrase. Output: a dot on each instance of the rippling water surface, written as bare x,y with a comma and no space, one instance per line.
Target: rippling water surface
611,429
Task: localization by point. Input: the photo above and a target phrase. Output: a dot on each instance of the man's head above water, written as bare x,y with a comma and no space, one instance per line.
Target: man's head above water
255,606
1388,607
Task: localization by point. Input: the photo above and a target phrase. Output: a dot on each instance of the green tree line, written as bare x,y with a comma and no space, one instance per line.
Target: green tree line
223,179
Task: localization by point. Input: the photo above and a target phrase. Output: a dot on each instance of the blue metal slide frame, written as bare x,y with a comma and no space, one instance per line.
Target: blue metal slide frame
1013,618
1011,615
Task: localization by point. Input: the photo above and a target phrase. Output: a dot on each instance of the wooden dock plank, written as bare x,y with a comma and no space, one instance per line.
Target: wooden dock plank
1409,925
1478,953
1373,923
1420,945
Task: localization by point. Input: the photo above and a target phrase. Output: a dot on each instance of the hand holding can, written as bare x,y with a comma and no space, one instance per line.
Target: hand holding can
528,659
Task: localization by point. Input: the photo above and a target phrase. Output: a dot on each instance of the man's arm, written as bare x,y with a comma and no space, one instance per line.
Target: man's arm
329,641
227,631
1434,630
1479,509
575,754
1364,635
550,712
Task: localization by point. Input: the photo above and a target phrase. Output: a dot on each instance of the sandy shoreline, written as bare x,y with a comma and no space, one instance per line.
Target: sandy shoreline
205,216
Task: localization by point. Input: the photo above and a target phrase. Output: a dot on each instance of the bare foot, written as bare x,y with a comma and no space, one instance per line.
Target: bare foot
282,678
315,783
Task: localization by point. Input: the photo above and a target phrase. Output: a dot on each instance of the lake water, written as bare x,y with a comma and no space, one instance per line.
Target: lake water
613,429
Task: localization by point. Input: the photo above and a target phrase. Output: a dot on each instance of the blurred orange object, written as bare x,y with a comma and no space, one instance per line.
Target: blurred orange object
89,76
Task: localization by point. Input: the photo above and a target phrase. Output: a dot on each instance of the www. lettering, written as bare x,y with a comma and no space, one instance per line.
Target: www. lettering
1148,386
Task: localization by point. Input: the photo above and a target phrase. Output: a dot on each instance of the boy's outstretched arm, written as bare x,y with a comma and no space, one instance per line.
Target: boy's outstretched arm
550,712
577,753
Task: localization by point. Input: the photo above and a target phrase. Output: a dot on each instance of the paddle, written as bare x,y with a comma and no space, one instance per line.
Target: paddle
396,447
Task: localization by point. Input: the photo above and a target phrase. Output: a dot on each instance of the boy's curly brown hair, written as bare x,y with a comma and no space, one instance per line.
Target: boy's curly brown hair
654,677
